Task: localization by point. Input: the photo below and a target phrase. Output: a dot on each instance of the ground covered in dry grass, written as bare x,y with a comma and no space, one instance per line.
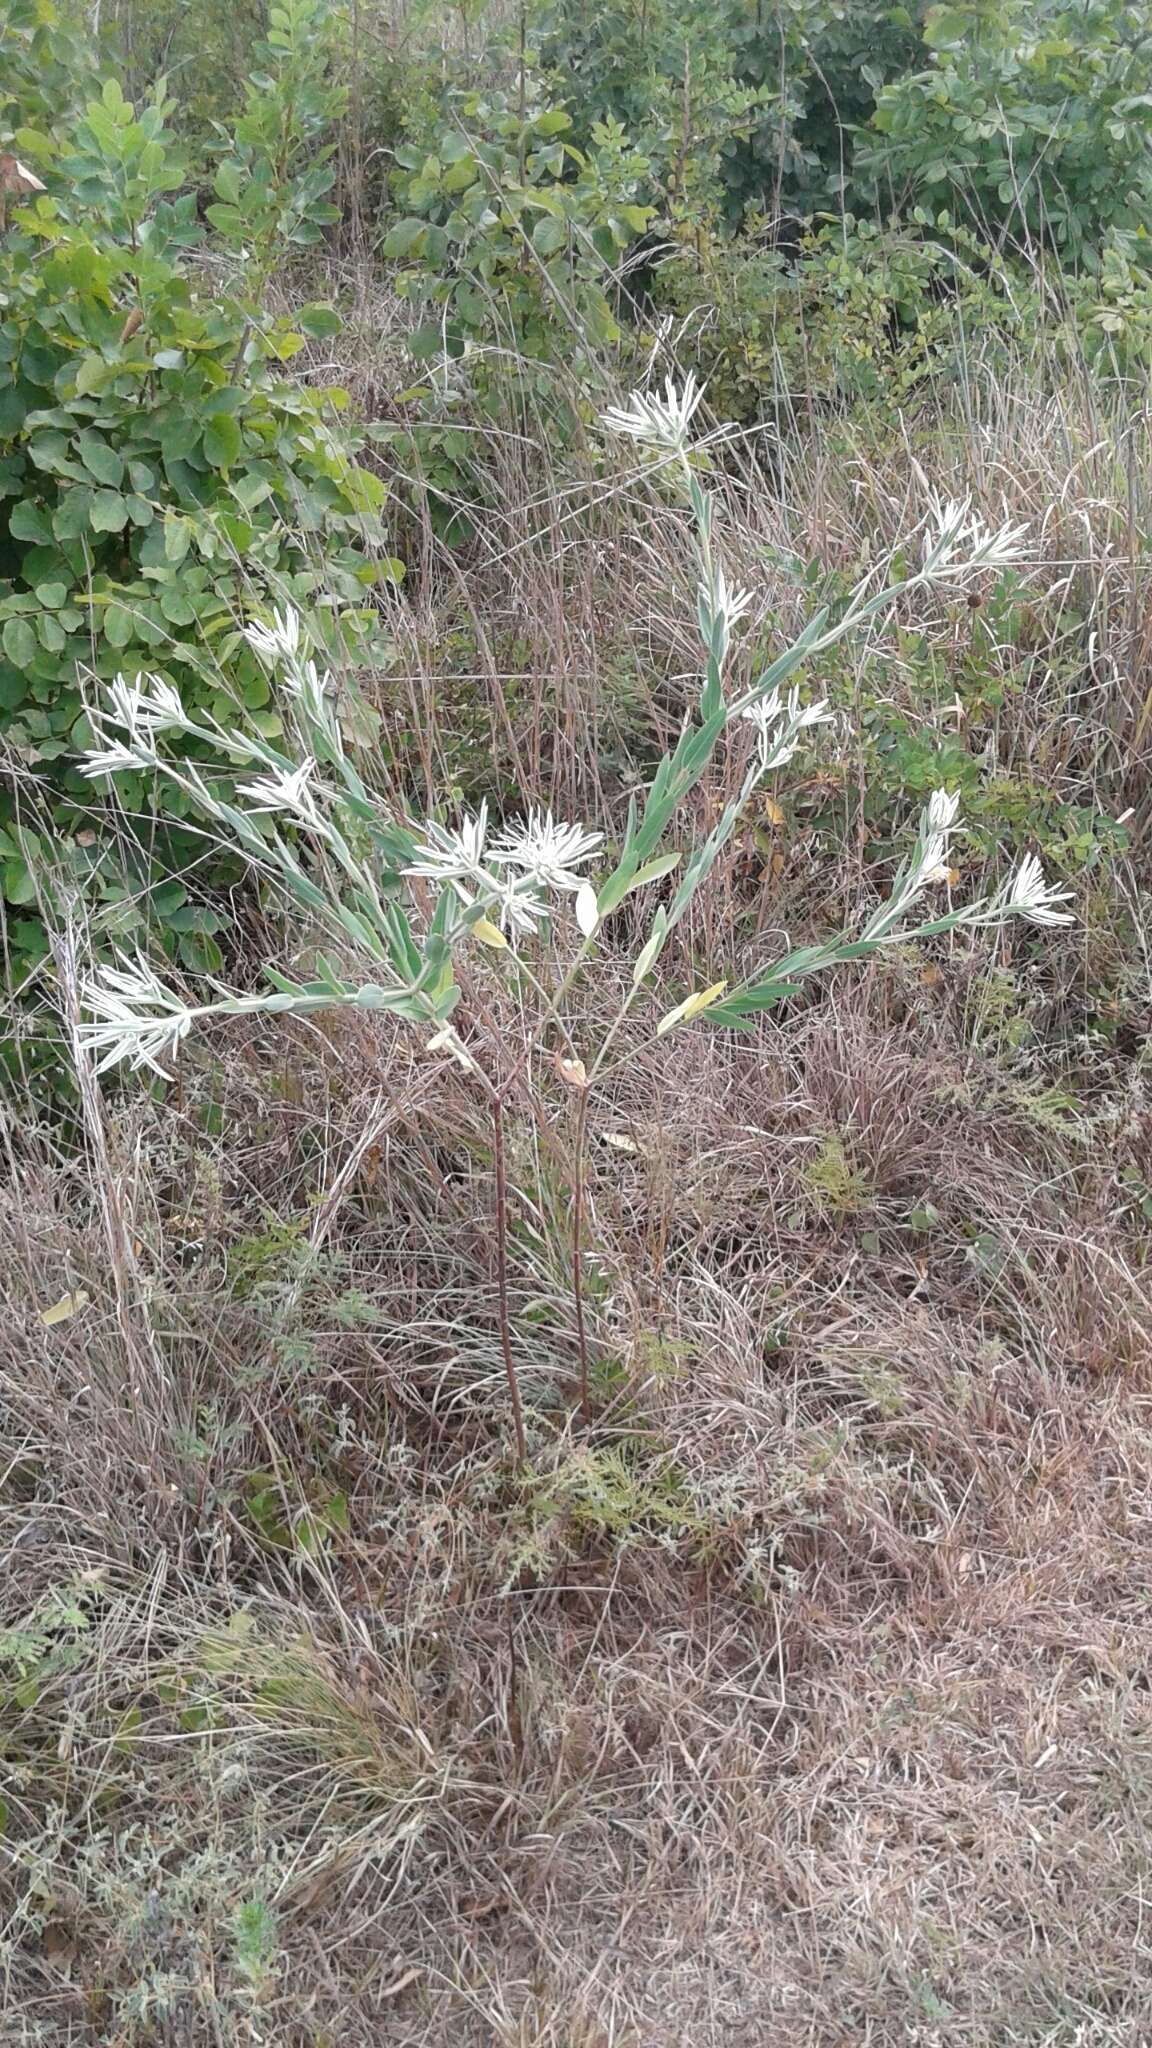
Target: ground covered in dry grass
803,1698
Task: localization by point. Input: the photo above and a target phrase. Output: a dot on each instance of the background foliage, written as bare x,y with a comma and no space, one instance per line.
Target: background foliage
158,468
823,205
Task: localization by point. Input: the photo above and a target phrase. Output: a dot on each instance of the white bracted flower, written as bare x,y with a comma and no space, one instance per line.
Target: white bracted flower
517,909
779,723
548,851
133,1016
938,820
933,865
112,758
143,708
278,642
284,790
658,422
720,609
928,863
447,856
1029,895
942,810
959,541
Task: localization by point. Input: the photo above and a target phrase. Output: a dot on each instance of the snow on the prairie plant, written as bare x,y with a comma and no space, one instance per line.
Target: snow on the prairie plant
132,1016
548,851
779,723
1031,897
284,790
347,854
445,855
278,642
658,421
958,540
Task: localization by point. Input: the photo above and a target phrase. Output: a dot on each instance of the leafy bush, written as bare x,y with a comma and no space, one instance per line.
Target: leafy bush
511,232
511,242
1033,124
48,67
741,110
860,312
276,173
691,82
156,468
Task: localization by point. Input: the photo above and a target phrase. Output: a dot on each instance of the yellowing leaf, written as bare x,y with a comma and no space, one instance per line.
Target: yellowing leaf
489,936
68,1305
702,999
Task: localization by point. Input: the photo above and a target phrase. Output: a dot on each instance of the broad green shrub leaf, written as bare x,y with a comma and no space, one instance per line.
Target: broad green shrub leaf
99,459
19,642
222,442
319,322
108,513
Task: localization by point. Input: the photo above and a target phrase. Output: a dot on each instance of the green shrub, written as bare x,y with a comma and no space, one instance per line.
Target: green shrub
860,312
509,233
1031,124
510,247
158,471
48,67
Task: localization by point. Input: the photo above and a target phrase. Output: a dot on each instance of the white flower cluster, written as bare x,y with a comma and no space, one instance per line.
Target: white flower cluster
661,423
142,710
779,722
280,646
133,1016
512,878
958,541
132,715
1029,896
720,608
1026,894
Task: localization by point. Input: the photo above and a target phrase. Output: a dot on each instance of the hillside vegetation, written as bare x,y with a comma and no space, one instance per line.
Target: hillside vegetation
575,717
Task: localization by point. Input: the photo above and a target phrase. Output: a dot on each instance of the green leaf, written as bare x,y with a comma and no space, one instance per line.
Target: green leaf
19,883
92,375
72,518
117,626
549,236
178,437
654,870
227,182
28,521
99,459
319,321
402,240
946,26
20,643
222,441
109,512
177,538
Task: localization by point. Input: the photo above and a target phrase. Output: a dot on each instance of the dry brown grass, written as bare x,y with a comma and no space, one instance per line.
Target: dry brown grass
803,1701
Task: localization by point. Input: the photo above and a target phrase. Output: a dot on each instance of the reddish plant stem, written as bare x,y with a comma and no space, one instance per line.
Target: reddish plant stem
502,1277
578,1252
